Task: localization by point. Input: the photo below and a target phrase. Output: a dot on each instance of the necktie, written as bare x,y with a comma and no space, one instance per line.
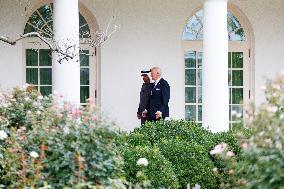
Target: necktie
155,83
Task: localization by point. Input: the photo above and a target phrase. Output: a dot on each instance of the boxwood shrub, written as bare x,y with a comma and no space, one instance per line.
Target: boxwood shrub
191,163
159,171
187,145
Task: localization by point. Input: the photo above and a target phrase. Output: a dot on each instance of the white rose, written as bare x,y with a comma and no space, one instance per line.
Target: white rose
25,86
34,154
197,186
142,161
40,97
3,135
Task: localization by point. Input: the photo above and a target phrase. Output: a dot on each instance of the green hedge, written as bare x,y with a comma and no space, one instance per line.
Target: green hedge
155,132
186,145
190,161
159,170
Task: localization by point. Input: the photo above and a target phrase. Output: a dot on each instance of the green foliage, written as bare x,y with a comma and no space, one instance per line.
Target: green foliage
264,155
159,170
176,130
186,145
53,142
16,107
261,161
191,163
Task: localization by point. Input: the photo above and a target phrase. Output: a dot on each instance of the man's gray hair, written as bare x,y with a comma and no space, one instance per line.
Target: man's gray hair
159,70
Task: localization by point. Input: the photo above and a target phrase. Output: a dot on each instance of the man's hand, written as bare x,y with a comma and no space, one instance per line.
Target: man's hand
158,115
144,113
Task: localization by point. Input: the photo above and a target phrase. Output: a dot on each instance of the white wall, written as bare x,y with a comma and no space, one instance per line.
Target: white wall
150,35
266,18
11,65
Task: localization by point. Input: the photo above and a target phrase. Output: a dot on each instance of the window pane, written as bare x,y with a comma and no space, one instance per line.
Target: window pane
230,109
84,76
237,95
237,77
199,77
235,30
190,77
190,60
31,57
47,31
190,112
45,90
190,94
230,77
45,76
84,31
238,109
84,94
45,57
230,95
82,20
29,28
199,112
84,58
199,59
229,59
237,60
46,12
199,94
36,20
32,76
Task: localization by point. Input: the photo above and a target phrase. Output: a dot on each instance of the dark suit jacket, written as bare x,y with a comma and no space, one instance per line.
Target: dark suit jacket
160,96
144,97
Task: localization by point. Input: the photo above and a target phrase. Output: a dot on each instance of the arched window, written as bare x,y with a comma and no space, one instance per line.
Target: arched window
194,28
42,21
238,67
38,58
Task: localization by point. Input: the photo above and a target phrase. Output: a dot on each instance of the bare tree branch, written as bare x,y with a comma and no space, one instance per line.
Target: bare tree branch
66,50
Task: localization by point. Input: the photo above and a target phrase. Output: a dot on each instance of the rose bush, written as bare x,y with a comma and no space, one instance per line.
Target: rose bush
260,164
54,144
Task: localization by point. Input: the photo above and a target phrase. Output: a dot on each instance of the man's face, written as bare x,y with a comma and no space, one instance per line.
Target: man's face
146,79
154,74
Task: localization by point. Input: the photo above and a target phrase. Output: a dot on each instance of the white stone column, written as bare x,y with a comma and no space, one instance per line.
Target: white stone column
66,75
215,91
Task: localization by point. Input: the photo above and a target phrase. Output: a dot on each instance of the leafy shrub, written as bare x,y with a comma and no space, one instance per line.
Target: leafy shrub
176,130
191,163
180,134
17,105
261,164
159,170
264,152
53,142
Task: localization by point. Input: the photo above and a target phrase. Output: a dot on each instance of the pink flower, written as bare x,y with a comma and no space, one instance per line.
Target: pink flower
76,112
230,154
94,117
244,146
219,148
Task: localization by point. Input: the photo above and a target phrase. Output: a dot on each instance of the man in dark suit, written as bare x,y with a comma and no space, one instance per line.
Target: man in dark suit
160,96
144,97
